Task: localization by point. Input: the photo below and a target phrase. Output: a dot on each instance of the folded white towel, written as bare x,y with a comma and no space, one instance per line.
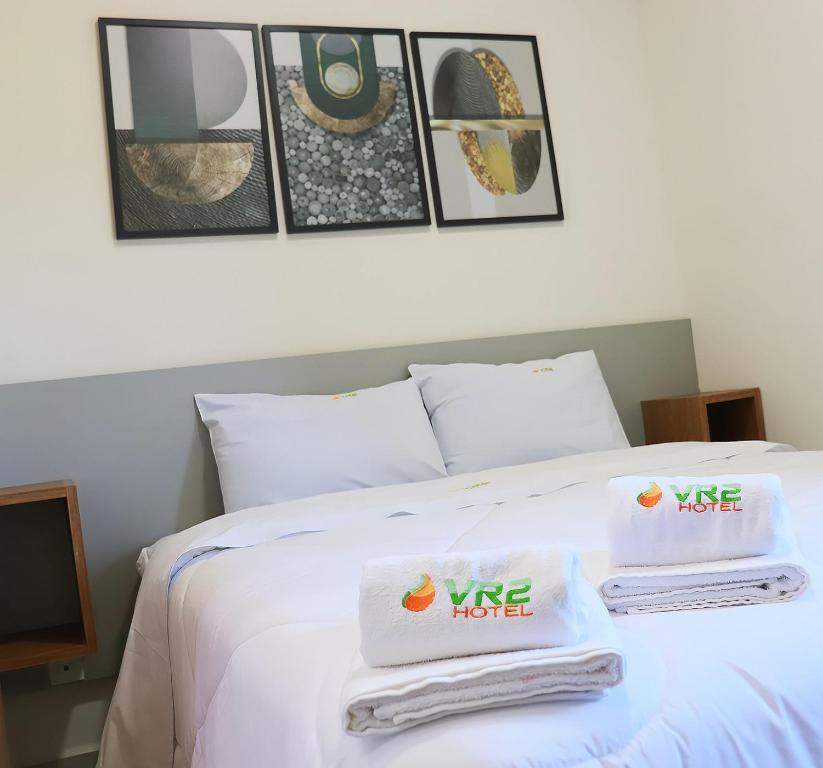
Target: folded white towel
744,581
675,520
419,608
389,699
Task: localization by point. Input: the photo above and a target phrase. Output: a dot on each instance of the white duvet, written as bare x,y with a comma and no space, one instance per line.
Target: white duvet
246,627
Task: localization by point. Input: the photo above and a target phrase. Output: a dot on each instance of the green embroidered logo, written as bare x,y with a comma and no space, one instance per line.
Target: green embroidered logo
511,605
476,485
345,394
712,498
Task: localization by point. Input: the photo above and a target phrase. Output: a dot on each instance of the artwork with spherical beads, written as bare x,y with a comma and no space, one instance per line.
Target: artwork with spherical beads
348,146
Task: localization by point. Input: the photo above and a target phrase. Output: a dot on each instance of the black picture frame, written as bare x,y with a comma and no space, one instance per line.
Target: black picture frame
280,147
124,233
424,108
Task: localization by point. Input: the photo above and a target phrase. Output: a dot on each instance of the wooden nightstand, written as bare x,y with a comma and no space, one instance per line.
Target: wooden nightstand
46,606
729,414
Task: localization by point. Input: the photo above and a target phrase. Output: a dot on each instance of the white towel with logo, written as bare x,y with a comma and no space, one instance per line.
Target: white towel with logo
389,699
420,608
773,578
678,520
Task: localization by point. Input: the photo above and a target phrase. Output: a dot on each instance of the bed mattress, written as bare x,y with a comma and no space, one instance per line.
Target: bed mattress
245,629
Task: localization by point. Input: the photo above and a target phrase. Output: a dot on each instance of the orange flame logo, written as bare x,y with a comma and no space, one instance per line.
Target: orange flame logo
421,597
650,497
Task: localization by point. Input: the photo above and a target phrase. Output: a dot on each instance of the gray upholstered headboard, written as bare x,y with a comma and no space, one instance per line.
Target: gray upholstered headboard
143,464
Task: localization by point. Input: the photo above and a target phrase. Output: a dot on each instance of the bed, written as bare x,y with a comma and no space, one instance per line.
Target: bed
246,627
144,468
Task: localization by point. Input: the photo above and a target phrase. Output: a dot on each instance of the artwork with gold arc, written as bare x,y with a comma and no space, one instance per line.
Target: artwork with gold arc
344,118
385,102
341,90
188,143
191,173
477,89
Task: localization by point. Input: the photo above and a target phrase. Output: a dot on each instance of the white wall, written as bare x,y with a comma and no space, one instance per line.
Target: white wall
75,301
737,84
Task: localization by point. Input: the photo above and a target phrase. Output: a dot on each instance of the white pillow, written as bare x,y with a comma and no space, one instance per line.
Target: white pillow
499,415
272,448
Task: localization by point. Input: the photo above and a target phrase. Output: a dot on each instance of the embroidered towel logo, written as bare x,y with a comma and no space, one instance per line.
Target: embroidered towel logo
650,497
421,597
345,394
542,370
712,498
512,605
491,599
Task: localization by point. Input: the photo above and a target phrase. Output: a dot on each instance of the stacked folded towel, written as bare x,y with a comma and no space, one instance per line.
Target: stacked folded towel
474,631
697,542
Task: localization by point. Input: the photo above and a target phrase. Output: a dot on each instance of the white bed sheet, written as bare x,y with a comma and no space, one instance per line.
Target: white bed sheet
240,661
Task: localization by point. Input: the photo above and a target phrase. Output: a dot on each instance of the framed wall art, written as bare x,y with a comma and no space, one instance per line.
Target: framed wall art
347,140
489,143
188,140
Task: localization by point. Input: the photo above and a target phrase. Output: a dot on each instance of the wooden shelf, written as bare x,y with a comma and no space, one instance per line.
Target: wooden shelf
725,415
43,566
42,646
